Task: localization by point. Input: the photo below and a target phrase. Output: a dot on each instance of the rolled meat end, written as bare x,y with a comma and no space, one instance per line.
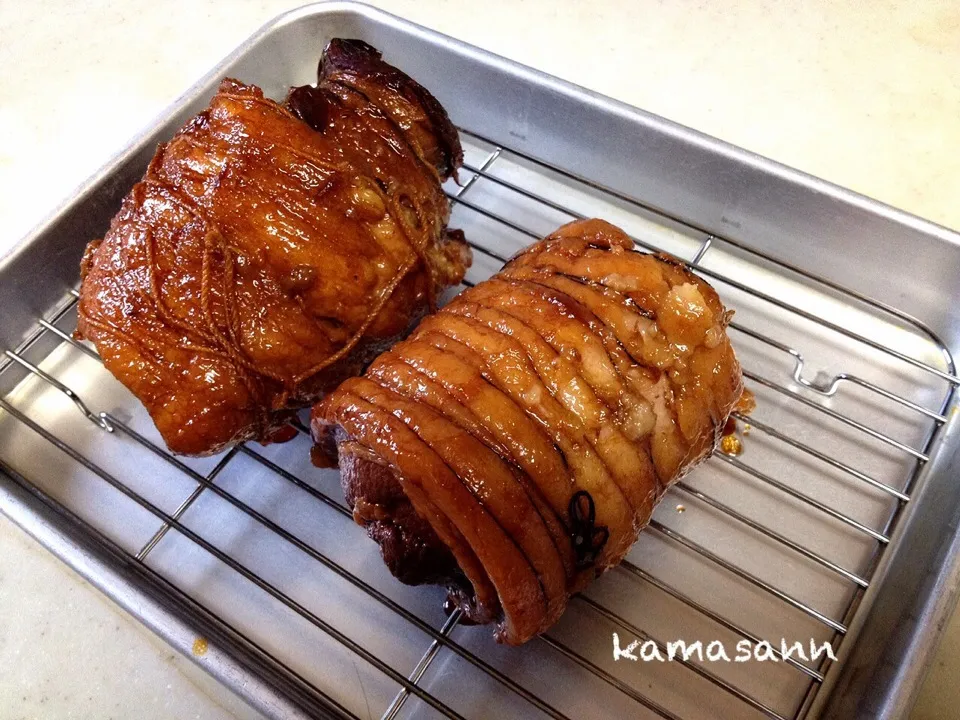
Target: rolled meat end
539,417
465,409
489,481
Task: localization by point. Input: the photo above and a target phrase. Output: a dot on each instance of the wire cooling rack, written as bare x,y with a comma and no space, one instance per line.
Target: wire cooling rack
780,542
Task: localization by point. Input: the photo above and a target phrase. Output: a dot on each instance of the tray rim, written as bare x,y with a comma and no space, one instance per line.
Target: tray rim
373,13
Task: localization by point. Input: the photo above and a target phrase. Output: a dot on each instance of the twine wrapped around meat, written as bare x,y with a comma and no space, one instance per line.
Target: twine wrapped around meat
272,250
514,446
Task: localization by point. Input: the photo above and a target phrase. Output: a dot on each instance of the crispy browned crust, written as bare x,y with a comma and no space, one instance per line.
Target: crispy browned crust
262,259
409,546
360,65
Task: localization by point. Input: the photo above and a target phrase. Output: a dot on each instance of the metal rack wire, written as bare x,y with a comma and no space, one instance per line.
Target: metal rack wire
450,639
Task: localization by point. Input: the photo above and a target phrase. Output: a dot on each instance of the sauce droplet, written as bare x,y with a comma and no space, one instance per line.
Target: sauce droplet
681,508
731,445
731,426
200,646
746,429
747,403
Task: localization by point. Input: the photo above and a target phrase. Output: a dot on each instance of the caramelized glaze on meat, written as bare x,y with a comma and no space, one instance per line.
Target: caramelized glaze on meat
272,250
534,422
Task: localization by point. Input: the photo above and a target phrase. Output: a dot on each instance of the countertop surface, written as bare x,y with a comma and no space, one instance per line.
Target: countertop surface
863,95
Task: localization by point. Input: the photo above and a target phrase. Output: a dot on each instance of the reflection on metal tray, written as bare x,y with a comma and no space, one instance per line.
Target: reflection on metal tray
832,525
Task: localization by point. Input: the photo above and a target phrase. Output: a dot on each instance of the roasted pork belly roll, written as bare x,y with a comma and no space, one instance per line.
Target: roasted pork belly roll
272,250
514,446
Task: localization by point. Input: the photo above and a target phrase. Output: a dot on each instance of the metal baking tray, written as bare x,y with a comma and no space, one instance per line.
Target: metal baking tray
837,523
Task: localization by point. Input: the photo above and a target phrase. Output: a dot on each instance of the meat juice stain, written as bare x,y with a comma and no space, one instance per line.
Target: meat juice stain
731,427
730,443
200,646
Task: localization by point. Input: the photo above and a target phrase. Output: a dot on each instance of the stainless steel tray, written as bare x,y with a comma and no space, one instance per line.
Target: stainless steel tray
838,523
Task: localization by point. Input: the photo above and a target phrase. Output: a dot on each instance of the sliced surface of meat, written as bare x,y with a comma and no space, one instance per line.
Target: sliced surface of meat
272,250
541,415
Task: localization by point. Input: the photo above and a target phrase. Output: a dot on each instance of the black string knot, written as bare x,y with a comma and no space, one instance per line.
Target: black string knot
588,538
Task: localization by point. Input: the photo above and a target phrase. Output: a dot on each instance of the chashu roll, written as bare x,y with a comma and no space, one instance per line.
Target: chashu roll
515,445
273,249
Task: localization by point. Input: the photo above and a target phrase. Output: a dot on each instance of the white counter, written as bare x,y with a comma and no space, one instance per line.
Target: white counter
864,95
